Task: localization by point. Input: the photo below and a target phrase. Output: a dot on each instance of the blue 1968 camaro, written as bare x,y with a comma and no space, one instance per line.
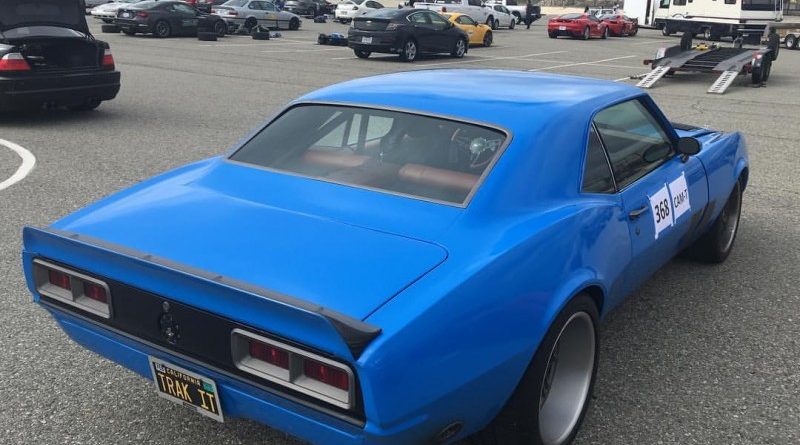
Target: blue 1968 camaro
404,259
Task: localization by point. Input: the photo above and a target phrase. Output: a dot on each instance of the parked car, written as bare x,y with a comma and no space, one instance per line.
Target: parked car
309,8
347,10
480,11
250,13
620,25
94,3
479,34
107,12
518,8
407,33
48,57
167,18
582,26
402,259
503,18
207,5
599,12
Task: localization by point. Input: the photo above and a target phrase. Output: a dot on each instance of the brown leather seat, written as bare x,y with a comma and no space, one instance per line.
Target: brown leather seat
332,159
438,177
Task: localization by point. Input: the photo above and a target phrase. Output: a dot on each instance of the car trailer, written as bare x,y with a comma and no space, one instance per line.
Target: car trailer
729,62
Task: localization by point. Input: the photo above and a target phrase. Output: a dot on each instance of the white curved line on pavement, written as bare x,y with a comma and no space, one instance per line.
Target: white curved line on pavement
28,161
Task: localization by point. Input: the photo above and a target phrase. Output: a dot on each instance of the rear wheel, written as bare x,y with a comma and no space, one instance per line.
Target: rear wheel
220,28
633,31
460,48
162,29
496,24
761,74
513,23
716,244
490,21
487,39
409,51
362,54
250,23
605,33
294,24
129,32
791,41
552,398
586,33
665,31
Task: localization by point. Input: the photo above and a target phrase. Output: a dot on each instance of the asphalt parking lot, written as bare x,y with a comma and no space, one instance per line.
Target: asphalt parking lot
700,355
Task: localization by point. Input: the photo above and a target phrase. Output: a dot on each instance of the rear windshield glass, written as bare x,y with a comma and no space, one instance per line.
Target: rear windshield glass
403,153
237,3
385,13
571,16
145,5
16,12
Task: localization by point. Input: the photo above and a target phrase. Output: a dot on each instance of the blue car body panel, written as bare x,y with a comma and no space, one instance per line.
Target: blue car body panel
457,298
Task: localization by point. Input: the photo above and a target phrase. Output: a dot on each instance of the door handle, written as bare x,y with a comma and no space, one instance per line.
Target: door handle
635,214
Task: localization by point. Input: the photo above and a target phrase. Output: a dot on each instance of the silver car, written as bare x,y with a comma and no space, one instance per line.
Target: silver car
249,13
108,11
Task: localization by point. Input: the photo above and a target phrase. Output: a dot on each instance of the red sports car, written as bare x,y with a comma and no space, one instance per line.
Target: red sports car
620,25
577,25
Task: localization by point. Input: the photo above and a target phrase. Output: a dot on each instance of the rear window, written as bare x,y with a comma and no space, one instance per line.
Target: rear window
236,3
403,153
17,12
571,16
385,13
146,5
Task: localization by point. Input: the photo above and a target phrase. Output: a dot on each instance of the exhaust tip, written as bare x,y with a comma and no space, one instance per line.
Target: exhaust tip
448,432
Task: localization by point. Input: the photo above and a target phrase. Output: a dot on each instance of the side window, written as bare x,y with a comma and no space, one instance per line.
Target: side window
664,4
475,2
511,3
270,7
596,172
436,19
635,141
594,18
419,18
184,9
679,2
730,2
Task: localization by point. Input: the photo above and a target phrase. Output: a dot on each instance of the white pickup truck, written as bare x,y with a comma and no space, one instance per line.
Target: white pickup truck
476,9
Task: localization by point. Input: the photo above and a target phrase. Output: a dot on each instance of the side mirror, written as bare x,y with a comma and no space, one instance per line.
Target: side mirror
687,146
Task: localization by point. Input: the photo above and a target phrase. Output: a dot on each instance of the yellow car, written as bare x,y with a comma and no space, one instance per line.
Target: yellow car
479,34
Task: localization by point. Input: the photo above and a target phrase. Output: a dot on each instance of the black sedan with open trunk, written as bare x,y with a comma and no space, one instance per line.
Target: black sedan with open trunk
167,18
48,57
406,32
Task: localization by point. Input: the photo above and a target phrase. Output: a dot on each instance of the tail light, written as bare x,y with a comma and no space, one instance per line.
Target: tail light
294,368
392,26
14,62
72,288
142,14
108,60
231,12
355,8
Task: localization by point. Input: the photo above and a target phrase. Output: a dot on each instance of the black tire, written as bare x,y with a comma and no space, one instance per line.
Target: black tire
707,34
520,420
260,35
490,21
459,48
220,28
605,33
791,41
487,39
107,21
162,29
761,74
513,23
496,24
110,29
717,243
89,105
552,35
686,41
362,54
207,36
586,33
408,53
665,31
322,39
294,24
518,17
129,32
774,43
634,31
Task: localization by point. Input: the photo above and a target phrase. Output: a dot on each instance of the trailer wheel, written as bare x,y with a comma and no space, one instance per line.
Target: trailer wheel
761,74
791,42
665,31
774,43
686,41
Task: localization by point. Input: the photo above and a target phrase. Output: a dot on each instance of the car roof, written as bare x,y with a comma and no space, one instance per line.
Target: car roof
518,101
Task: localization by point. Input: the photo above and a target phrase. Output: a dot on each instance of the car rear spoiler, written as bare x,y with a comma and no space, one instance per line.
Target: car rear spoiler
322,328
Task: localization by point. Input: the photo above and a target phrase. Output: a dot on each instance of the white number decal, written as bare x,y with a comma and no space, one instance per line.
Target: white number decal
662,210
679,192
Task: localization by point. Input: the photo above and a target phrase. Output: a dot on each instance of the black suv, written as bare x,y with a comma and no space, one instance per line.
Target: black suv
49,58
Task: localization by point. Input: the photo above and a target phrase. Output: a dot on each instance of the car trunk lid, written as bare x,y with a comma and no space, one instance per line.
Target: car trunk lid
370,24
59,13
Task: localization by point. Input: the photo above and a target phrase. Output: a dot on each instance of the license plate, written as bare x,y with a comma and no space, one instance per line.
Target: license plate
125,14
367,40
186,388
562,28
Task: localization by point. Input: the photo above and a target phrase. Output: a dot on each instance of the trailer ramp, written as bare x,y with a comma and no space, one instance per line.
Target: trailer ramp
653,76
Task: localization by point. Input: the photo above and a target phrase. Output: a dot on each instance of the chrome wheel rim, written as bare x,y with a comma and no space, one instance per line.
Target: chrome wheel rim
411,50
730,218
566,381
460,48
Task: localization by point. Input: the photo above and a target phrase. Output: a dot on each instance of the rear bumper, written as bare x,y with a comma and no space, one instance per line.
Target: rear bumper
382,42
27,92
571,32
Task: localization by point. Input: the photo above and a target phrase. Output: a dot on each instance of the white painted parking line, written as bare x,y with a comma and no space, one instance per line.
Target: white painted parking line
28,161
567,65
302,50
650,42
261,43
487,59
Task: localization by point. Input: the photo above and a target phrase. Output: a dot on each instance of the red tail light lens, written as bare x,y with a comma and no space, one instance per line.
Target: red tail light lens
326,374
270,354
142,14
108,60
95,292
59,279
14,62
231,12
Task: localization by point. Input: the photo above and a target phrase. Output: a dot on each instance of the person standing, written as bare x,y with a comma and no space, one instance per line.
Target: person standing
529,14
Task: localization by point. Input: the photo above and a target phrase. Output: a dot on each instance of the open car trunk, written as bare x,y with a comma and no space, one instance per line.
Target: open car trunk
60,54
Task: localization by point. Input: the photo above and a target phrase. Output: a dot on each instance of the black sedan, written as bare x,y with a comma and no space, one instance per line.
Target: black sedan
49,58
406,32
167,18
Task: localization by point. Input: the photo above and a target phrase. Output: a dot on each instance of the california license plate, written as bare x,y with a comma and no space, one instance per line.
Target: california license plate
186,388
562,28
367,40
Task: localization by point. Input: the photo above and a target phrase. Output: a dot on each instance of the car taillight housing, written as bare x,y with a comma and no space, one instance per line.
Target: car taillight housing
355,8
294,368
73,288
392,26
14,62
142,14
108,60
